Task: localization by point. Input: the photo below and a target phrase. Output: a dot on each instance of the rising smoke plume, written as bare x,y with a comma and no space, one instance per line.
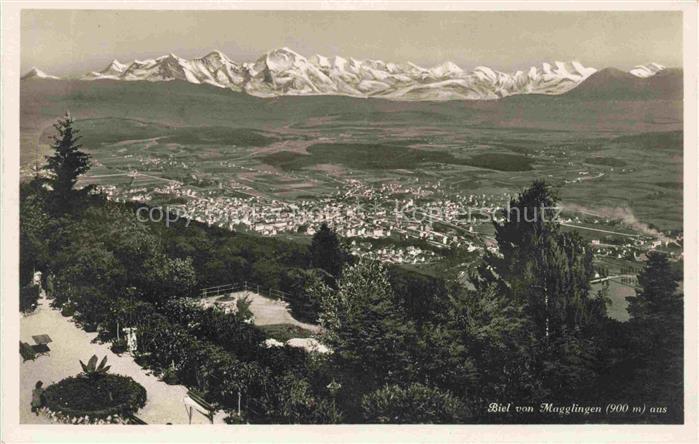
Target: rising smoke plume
624,215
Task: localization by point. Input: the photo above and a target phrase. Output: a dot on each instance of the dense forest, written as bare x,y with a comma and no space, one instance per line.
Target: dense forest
407,348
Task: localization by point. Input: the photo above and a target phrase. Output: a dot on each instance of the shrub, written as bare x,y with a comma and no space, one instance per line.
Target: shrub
68,310
96,398
119,346
215,325
92,370
242,308
284,332
232,417
28,298
414,404
169,376
26,351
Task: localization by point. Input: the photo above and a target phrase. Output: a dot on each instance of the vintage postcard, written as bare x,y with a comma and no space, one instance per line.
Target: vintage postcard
375,222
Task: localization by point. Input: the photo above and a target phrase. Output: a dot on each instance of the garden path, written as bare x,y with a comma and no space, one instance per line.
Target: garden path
70,344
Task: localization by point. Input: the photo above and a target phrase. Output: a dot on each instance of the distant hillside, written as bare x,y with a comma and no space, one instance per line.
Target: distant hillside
614,84
178,103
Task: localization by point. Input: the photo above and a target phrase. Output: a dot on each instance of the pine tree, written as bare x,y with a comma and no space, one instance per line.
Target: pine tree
547,272
327,252
542,267
656,297
656,323
67,162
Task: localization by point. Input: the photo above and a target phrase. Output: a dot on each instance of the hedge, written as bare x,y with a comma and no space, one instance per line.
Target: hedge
28,298
26,351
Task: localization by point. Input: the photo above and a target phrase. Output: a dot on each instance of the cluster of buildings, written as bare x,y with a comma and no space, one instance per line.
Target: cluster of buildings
357,212
393,254
421,214
635,248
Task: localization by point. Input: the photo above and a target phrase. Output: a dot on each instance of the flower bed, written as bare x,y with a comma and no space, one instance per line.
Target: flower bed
95,398
63,419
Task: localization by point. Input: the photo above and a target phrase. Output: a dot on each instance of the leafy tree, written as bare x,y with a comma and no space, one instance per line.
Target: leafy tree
444,359
369,333
327,252
416,404
34,226
420,294
296,281
67,162
495,336
567,366
91,262
296,403
267,271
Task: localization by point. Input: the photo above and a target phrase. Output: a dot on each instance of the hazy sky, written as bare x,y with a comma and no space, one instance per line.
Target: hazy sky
74,42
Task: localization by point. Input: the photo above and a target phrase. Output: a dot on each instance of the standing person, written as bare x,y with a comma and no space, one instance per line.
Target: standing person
49,285
37,397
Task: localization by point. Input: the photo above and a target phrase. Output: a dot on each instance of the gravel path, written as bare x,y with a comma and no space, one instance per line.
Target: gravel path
70,344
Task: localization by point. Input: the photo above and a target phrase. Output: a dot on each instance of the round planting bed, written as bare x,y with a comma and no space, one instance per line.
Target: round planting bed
95,397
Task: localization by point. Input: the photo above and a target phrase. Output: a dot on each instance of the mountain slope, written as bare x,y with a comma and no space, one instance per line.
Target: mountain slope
614,84
182,103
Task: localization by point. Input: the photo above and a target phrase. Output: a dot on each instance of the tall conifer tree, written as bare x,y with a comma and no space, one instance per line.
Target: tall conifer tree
67,162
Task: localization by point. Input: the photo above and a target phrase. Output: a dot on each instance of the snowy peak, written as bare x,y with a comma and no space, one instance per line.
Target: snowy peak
573,70
112,71
446,69
285,72
645,71
116,66
216,57
36,73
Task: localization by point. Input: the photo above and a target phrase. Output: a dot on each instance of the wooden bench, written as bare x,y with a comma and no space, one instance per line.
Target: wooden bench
133,419
41,349
201,405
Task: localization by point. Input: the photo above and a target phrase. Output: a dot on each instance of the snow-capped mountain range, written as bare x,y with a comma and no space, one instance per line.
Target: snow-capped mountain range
284,72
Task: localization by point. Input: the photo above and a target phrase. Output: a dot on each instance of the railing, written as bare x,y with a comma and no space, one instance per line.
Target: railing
627,279
219,290
271,293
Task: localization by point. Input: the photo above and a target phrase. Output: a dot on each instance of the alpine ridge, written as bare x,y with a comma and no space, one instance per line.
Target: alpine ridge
284,72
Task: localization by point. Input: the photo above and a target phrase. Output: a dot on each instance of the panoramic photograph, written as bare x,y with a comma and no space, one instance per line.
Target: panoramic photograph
351,217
